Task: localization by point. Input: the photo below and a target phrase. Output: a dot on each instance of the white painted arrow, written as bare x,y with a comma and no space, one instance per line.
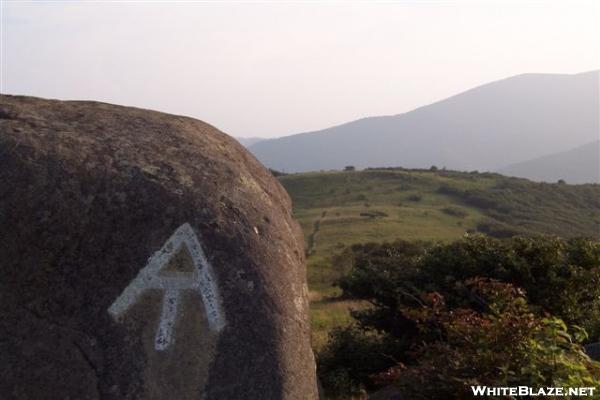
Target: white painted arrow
202,280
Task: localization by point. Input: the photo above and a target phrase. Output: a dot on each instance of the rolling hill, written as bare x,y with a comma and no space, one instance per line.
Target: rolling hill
579,165
485,128
339,209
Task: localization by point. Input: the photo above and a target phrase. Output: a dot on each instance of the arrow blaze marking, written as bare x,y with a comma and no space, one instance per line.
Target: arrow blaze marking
201,280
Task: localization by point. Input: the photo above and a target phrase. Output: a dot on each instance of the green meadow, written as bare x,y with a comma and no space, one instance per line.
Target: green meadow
338,209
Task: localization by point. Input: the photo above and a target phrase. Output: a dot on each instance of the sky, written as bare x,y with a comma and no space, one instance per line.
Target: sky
271,69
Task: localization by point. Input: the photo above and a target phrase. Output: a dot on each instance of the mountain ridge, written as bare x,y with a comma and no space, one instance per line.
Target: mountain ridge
576,166
249,141
465,128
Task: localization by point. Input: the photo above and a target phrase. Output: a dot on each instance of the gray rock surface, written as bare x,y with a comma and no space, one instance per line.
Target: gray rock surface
144,256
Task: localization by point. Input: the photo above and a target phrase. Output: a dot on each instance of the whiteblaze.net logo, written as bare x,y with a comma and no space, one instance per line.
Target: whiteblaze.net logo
532,392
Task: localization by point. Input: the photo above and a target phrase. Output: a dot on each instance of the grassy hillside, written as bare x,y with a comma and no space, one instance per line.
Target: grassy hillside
338,209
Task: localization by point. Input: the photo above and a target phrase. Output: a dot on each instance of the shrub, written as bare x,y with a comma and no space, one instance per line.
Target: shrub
504,344
350,357
560,276
554,279
374,214
498,229
455,212
415,197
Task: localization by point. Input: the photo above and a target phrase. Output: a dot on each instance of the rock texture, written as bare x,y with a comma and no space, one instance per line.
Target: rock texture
144,256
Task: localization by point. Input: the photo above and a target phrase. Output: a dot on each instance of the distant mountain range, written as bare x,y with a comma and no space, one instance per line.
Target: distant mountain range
246,142
579,165
486,128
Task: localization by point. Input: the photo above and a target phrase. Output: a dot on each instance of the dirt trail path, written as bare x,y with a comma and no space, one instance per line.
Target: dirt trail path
312,238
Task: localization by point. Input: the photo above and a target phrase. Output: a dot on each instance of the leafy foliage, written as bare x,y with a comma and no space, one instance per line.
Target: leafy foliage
503,345
455,212
422,294
351,357
560,276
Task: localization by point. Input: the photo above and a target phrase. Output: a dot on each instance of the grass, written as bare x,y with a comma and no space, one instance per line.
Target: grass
339,209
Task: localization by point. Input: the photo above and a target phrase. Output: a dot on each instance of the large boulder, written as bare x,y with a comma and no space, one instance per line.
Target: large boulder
144,256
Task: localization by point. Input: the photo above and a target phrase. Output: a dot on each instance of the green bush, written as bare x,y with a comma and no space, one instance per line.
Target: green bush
455,212
504,345
414,197
556,279
351,356
374,214
560,276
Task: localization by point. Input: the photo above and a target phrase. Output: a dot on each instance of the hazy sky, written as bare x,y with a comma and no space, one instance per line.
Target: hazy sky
273,69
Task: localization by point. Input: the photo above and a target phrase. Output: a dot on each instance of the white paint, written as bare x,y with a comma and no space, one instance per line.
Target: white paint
201,280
